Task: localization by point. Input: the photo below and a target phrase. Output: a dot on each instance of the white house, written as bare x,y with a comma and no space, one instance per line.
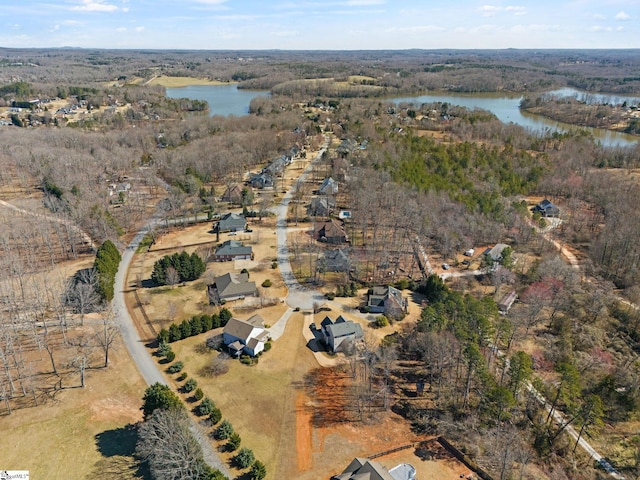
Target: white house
248,336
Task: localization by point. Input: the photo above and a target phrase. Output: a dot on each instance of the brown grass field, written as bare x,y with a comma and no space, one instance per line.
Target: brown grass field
81,433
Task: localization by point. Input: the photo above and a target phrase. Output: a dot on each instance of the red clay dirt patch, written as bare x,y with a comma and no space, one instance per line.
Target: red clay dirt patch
304,436
329,436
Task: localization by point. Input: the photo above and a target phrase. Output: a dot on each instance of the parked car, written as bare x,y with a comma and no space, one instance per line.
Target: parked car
446,266
233,233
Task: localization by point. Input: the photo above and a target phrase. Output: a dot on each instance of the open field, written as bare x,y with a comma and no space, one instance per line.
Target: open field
175,82
81,432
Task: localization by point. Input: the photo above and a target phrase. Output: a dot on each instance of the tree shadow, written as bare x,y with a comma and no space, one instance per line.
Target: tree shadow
117,448
119,441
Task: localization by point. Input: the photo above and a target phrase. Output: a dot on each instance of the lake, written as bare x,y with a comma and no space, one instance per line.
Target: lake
229,100
507,109
222,99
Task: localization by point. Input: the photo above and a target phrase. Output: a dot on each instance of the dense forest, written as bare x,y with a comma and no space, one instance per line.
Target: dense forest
452,177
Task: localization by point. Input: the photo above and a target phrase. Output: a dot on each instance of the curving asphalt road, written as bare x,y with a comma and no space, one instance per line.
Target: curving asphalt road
146,364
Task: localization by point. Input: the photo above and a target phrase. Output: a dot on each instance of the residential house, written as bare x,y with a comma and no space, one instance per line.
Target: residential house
340,334
335,261
331,232
507,301
340,168
233,194
364,469
261,181
231,286
276,167
321,206
245,336
232,250
328,187
546,208
387,300
231,222
347,146
496,252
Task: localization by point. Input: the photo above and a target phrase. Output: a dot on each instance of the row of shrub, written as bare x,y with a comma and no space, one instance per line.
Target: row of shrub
194,326
245,457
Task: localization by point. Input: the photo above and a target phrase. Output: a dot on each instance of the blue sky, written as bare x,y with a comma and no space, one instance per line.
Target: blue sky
314,24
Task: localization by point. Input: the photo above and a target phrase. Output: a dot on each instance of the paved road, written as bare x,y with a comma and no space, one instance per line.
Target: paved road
298,295
146,364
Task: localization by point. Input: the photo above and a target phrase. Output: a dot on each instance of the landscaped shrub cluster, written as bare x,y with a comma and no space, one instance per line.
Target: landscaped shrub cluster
194,326
179,267
381,321
176,367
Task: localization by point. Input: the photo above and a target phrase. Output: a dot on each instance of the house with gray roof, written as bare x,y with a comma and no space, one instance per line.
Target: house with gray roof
340,334
387,300
245,336
365,469
328,187
231,222
321,206
546,208
495,253
335,260
261,181
231,286
232,250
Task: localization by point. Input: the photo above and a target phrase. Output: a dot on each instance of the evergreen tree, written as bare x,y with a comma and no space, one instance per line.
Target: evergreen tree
258,471
159,396
106,266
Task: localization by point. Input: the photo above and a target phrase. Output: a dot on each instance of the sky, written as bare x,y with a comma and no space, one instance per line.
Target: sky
320,25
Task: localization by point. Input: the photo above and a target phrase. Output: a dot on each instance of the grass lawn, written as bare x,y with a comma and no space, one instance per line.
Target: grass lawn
259,400
82,432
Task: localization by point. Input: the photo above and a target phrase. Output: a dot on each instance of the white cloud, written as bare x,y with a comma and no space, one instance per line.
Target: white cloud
623,16
600,28
516,10
139,29
94,6
55,28
599,16
619,29
121,29
489,10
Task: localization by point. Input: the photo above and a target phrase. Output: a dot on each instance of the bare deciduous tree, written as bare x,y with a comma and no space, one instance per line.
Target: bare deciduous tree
166,443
